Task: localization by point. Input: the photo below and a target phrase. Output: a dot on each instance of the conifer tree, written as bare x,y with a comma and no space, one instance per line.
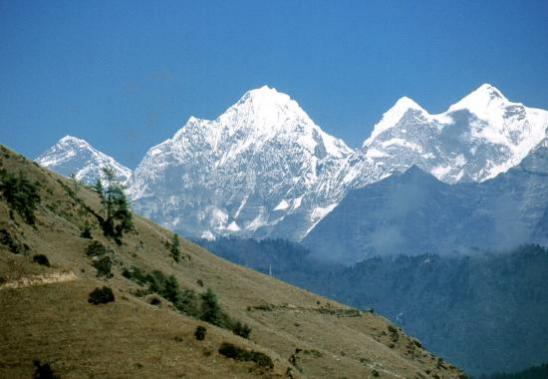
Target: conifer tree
117,216
211,311
171,290
175,248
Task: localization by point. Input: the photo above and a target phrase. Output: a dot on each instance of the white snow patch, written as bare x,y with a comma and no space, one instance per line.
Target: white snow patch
257,222
233,227
219,218
282,205
318,214
297,202
460,160
242,205
207,235
402,142
441,171
374,153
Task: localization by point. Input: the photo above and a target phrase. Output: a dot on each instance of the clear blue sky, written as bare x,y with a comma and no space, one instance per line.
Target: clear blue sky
134,71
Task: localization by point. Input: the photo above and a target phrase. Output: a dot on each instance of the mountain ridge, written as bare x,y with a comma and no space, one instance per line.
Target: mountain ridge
415,213
263,168
75,156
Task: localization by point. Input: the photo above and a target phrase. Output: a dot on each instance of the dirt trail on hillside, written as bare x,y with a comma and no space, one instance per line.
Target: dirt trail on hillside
39,280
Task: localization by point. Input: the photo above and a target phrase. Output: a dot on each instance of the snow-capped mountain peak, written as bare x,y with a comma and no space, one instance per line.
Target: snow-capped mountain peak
265,96
405,103
477,138
262,108
486,102
394,115
75,156
262,115
232,173
268,111
71,140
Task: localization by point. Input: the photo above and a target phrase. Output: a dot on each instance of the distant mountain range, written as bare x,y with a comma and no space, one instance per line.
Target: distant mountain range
414,213
264,169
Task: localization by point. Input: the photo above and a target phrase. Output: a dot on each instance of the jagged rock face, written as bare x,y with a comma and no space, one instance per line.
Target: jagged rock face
261,163
476,139
264,168
74,156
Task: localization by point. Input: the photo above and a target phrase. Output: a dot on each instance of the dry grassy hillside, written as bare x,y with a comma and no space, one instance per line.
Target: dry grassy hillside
45,313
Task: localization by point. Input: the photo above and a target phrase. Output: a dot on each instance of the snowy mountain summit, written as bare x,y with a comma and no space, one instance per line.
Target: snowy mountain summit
479,137
74,156
260,162
263,168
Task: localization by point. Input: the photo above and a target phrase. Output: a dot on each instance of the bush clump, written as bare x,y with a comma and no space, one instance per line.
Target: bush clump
205,308
155,301
41,259
21,194
12,243
200,333
43,370
241,329
86,232
104,267
184,300
211,312
232,351
96,249
136,275
101,296
394,335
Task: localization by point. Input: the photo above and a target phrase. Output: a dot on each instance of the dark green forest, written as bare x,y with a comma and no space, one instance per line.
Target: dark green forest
537,372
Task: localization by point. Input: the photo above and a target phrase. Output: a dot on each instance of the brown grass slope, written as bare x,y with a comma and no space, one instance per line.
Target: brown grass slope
44,312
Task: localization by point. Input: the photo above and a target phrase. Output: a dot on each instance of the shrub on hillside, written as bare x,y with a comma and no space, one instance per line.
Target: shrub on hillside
96,249
241,329
156,281
155,301
104,267
206,307
86,232
184,300
232,351
11,242
21,194
43,370
136,275
394,335
211,310
188,303
41,259
170,290
200,333
101,296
